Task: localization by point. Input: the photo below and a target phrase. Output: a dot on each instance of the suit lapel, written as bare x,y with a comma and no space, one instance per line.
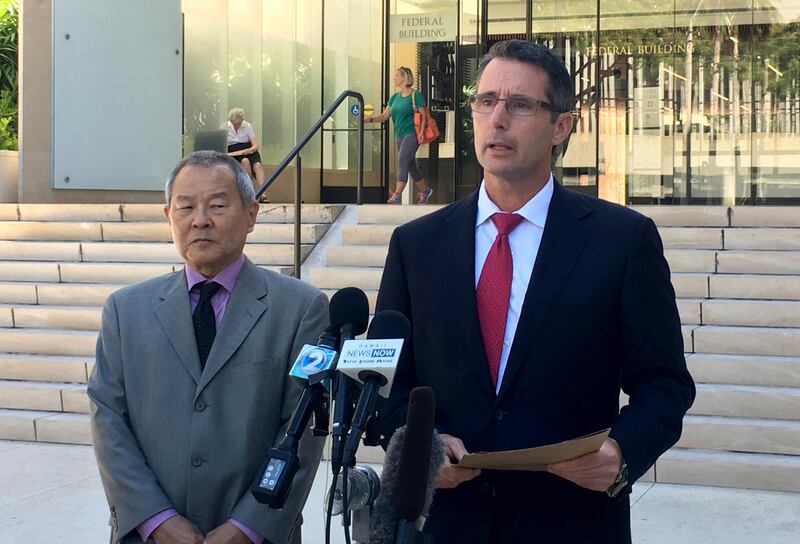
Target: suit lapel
562,242
242,312
174,313
459,288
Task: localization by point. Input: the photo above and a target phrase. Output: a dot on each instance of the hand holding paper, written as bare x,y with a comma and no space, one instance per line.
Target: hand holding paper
595,471
451,475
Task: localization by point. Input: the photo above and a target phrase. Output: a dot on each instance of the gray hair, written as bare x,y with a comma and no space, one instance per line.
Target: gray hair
210,159
236,115
408,75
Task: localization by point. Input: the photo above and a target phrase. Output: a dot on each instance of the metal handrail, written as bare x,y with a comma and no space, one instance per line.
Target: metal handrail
295,154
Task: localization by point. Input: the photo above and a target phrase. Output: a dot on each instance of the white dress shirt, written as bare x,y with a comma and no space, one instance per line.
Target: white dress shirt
243,135
524,241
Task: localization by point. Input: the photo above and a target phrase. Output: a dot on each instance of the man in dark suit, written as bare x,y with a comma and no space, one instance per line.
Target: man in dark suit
183,415
531,307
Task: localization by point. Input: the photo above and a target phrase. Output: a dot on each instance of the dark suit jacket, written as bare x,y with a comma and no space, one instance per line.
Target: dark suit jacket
599,315
168,434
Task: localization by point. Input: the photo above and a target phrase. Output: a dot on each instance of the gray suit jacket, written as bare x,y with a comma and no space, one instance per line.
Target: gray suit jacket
168,435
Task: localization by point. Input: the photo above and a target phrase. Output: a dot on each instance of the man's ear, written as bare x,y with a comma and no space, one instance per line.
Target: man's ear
563,129
252,214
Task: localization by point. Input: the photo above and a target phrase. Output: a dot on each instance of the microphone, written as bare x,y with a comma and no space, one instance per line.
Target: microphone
408,482
372,362
273,481
349,313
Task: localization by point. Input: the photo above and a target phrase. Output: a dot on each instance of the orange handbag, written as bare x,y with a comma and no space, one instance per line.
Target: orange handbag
431,129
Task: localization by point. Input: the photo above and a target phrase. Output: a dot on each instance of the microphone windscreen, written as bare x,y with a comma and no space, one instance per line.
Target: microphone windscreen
383,523
389,324
349,306
415,455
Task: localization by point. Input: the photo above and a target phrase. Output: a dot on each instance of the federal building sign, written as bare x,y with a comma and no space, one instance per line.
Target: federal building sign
423,27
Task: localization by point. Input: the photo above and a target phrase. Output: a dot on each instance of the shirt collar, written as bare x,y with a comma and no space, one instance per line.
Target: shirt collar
227,276
534,210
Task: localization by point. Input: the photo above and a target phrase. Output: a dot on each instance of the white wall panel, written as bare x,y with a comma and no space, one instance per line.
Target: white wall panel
117,93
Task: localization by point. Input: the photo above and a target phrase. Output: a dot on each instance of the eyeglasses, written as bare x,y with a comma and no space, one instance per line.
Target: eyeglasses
517,106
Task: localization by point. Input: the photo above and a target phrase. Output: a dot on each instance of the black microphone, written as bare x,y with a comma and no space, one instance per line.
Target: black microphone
408,482
273,482
349,312
374,368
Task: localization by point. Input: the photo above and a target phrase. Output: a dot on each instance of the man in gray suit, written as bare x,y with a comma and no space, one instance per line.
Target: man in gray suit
182,416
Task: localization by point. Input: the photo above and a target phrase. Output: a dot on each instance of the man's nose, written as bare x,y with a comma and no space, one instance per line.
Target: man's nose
499,116
201,218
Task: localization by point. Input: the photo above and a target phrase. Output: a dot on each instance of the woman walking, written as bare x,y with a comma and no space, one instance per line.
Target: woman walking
401,108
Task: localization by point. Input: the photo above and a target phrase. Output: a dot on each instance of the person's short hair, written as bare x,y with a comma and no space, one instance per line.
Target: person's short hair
211,159
408,75
560,90
236,115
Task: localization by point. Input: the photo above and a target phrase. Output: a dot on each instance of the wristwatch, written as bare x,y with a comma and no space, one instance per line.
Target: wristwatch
620,482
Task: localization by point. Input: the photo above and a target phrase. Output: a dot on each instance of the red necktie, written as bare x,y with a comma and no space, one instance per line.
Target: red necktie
494,290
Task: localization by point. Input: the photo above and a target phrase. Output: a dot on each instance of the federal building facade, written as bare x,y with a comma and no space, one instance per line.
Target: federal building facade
679,102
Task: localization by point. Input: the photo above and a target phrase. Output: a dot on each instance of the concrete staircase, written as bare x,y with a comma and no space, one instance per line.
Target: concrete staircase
737,275
58,263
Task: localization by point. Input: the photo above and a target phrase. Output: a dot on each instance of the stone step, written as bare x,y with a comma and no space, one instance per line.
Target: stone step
367,256
39,251
686,216
381,214
45,368
74,294
337,277
751,286
18,395
689,310
784,342
75,399
747,401
751,313
744,369
45,427
71,212
29,271
9,212
689,285
765,216
6,316
367,234
691,237
18,293
764,238
53,317
114,273
691,260
48,341
758,262
310,213
729,469
40,231
741,434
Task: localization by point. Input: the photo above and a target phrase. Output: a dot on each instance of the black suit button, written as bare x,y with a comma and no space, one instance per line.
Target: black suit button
486,487
196,462
498,415
199,406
